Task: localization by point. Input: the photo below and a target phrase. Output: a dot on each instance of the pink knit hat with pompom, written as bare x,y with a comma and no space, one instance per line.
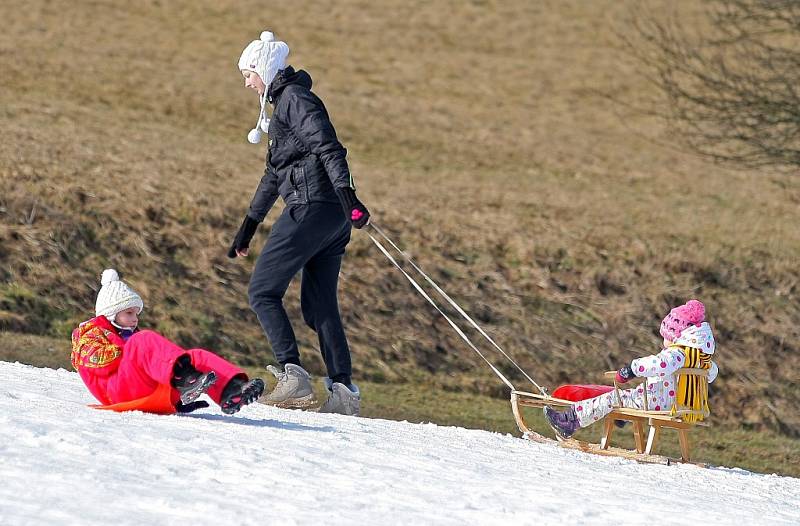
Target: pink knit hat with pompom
692,313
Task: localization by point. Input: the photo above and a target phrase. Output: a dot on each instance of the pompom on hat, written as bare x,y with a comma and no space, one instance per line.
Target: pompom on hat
266,56
115,296
691,313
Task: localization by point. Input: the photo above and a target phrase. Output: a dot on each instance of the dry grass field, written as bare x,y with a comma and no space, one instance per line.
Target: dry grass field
482,141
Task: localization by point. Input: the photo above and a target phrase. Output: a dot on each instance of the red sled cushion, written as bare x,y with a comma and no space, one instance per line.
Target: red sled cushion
577,393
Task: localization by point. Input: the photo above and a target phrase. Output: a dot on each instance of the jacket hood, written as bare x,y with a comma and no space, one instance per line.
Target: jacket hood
698,338
284,78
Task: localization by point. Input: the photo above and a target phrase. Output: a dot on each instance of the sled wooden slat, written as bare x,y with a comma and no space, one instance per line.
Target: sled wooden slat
538,400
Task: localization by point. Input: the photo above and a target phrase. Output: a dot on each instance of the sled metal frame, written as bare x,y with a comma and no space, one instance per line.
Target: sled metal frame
656,420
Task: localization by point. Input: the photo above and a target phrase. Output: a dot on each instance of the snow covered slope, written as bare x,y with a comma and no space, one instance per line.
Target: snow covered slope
63,463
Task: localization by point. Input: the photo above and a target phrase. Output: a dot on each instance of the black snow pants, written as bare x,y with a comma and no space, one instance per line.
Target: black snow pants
311,238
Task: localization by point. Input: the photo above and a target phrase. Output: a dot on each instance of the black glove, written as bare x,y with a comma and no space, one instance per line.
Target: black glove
354,209
191,406
243,236
624,374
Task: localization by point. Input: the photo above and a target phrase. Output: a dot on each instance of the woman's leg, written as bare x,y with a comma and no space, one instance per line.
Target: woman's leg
320,308
283,255
318,297
300,234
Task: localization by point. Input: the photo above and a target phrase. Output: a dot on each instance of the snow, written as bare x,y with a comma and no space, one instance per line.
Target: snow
62,462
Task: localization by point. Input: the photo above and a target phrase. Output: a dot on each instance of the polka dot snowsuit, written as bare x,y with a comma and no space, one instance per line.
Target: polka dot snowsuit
661,383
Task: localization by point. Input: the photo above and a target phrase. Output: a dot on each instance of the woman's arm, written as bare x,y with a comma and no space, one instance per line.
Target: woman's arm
265,196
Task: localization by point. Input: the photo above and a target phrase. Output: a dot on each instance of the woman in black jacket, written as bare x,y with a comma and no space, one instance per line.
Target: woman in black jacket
306,166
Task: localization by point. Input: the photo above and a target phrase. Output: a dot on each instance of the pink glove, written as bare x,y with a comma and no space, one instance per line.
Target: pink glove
624,374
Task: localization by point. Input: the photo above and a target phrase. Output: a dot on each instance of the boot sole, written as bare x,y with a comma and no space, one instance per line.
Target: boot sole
293,403
345,413
190,396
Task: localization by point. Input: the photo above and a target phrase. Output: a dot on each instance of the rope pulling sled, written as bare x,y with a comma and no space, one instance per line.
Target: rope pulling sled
678,417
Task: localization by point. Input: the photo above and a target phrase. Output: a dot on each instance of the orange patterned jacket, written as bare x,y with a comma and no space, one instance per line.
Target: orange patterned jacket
96,345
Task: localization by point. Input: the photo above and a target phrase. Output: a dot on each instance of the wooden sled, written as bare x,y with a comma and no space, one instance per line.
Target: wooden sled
656,420
158,402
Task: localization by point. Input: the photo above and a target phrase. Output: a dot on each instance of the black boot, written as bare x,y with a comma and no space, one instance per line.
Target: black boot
190,382
239,393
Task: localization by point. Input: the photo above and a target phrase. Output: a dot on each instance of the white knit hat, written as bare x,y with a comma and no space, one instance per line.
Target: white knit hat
266,56
115,296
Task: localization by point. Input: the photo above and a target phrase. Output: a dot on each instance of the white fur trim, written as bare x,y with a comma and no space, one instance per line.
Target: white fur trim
701,338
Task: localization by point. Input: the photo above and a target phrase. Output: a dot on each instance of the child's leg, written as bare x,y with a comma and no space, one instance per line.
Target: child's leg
147,360
205,361
591,410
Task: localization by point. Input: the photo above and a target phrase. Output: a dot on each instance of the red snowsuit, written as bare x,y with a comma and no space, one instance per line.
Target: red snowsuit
117,371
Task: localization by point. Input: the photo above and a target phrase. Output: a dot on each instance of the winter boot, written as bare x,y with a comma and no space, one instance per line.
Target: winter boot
293,390
190,382
343,399
564,423
239,393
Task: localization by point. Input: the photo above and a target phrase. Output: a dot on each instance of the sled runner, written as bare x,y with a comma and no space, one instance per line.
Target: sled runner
679,418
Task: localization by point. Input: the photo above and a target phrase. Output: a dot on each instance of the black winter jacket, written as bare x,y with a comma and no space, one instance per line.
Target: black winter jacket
305,160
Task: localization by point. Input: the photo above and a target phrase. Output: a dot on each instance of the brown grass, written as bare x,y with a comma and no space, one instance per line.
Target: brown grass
480,139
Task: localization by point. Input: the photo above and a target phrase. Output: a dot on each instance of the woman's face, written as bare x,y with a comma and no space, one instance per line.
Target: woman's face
253,81
128,318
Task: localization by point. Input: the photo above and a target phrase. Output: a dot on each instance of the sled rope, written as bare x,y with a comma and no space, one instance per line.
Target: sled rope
452,303
456,327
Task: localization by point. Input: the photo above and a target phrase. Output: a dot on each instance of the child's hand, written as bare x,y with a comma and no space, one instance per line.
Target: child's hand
624,374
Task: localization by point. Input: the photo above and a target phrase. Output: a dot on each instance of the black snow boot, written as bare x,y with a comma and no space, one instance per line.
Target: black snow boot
239,393
190,382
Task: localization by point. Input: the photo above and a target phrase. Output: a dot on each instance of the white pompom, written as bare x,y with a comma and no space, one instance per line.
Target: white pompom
267,36
254,136
109,275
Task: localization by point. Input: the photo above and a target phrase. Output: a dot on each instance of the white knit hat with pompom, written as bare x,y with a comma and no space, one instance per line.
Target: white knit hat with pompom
115,296
266,56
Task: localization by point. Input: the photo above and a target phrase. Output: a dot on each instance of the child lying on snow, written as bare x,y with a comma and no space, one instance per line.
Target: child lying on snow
119,363
688,342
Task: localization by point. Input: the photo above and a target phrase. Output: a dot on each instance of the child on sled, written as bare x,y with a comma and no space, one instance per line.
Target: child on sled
121,364
688,342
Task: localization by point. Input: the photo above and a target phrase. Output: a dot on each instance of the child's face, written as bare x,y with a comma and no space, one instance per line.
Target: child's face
253,81
128,318
667,342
